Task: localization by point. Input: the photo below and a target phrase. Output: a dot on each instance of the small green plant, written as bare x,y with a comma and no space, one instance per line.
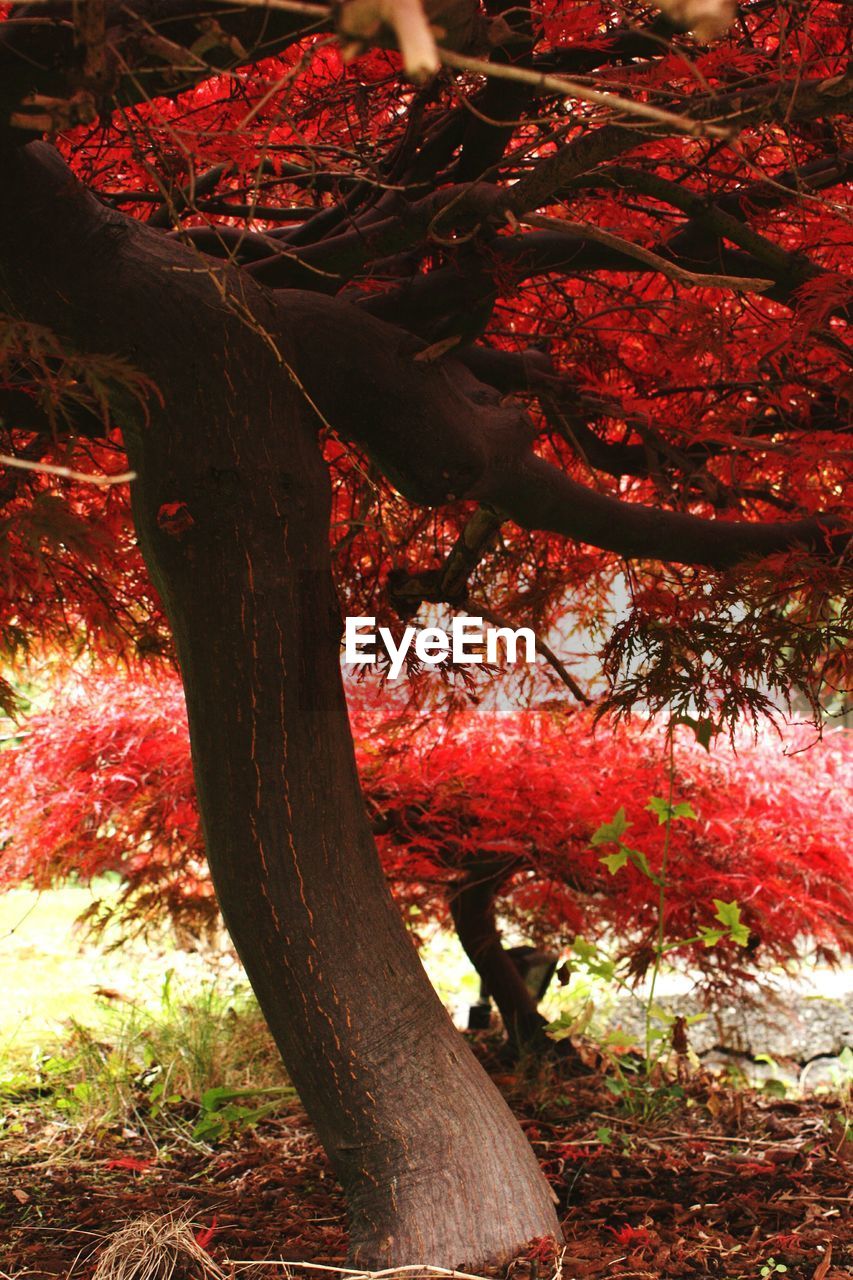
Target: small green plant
222,1114
772,1267
774,1086
182,1069
629,1076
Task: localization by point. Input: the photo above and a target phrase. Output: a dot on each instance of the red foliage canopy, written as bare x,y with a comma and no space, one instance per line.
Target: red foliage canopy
102,782
668,300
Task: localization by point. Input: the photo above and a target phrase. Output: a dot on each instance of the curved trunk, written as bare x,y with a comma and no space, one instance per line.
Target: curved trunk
232,508
472,907
435,1167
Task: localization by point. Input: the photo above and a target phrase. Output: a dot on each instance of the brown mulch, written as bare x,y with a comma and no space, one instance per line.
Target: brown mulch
722,1182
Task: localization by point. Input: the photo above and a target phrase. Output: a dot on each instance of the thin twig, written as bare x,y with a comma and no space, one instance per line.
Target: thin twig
572,89
421,1268
66,473
698,279
497,620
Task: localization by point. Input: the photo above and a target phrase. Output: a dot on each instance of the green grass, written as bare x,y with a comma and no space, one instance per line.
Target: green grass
142,1034
50,972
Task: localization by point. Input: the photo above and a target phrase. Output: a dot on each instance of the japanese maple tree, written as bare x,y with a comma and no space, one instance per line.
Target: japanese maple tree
401,329
481,810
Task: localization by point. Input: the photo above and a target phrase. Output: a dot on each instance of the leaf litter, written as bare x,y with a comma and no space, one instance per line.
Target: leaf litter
727,1182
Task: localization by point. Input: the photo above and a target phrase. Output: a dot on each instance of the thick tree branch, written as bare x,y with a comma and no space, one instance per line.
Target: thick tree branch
343,256
440,435
706,216
788,101
53,75
443,301
152,48
449,584
472,907
539,496
448,299
436,431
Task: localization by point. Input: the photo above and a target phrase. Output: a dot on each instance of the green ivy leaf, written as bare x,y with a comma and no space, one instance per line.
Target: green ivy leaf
610,832
593,959
641,862
659,806
615,861
728,913
670,813
583,949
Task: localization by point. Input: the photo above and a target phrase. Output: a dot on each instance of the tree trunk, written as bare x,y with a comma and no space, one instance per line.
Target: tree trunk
232,509
472,906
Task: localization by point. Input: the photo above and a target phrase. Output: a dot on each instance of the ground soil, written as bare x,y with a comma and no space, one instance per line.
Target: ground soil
721,1182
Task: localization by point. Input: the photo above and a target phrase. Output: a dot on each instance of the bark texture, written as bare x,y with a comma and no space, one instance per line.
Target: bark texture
435,1167
472,907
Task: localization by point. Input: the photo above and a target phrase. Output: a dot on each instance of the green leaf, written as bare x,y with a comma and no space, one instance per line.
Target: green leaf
662,1015
583,950
610,832
641,862
844,1065
604,1135
619,1039
659,806
728,913
775,1089
670,813
561,1027
710,937
615,861
213,1099
593,959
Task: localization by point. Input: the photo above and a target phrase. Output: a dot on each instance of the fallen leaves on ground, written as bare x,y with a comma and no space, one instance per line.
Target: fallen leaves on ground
730,1184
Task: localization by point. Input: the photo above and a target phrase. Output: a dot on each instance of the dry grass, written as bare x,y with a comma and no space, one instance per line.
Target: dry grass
156,1248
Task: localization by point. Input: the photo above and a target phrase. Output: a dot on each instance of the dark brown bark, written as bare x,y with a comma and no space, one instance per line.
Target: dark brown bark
472,906
434,1165
145,52
459,438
